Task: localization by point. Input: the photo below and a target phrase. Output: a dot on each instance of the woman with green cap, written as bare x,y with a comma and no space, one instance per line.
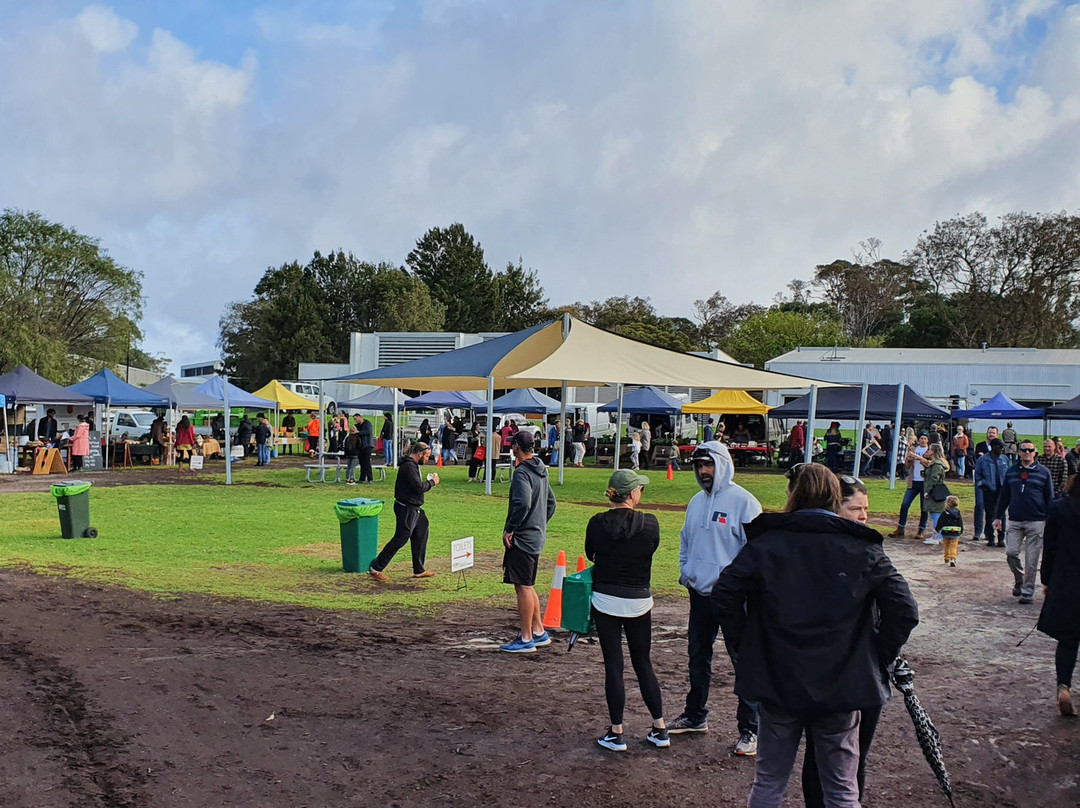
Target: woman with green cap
621,542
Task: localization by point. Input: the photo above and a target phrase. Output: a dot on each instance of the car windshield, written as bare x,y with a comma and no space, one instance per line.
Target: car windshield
144,420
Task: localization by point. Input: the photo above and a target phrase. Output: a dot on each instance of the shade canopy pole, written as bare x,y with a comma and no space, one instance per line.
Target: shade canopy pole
859,426
896,433
618,425
810,415
228,434
489,458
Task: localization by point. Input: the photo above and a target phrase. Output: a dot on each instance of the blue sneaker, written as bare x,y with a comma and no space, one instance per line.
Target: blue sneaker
519,646
540,640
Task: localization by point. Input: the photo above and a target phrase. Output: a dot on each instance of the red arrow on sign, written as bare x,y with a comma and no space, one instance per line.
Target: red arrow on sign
467,555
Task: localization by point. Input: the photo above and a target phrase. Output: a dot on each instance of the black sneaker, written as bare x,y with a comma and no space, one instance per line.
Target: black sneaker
1016,592
1025,600
658,737
613,741
683,724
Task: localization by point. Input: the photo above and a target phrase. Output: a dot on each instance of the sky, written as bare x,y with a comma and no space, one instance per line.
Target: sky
658,148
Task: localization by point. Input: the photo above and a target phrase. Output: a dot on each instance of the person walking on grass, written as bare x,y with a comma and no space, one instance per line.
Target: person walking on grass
411,523
915,462
934,475
951,527
621,543
712,535
1025,497
531,506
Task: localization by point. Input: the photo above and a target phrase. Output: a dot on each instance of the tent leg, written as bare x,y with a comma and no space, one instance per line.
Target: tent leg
897,420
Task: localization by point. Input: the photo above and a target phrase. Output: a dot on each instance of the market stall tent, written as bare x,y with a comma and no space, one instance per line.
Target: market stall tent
728,402
182,396
23,386
526,399
458,399
215,388
1000,406
378,400
843,404
646,400
1066,411
105,387
282,396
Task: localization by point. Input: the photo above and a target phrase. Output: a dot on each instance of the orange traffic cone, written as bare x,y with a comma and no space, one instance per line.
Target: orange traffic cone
438,459
553,612
670,473
580,563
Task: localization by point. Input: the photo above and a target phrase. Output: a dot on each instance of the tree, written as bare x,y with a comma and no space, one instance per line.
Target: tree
308,313
635,317
451,263
868,294
519,298
1013,285
766,335
65,305
718,317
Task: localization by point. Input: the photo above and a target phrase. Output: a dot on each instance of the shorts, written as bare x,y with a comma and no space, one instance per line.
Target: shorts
519,567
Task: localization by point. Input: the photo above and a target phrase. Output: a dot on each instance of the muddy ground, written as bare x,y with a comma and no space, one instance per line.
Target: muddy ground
112,698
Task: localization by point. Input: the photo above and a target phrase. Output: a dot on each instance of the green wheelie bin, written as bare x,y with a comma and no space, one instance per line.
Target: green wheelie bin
73,503
359,518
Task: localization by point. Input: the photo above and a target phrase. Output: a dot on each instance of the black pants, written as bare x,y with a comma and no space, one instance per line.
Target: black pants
411,527
811,779
990,501
1065,661
365,464
701,636
609,630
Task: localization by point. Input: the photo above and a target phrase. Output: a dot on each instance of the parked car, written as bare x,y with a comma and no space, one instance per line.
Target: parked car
310,391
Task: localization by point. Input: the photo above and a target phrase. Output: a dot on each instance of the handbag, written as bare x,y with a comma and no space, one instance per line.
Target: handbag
940,492
379,445
480,453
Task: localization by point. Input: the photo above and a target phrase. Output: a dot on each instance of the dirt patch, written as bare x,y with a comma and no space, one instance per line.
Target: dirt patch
114,698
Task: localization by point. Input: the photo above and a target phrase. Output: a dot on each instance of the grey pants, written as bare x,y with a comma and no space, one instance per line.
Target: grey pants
1029,537
836,746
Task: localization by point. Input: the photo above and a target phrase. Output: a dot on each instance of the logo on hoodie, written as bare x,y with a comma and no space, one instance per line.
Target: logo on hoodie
719,517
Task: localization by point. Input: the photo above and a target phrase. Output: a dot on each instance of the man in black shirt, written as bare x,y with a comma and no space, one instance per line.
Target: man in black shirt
412,522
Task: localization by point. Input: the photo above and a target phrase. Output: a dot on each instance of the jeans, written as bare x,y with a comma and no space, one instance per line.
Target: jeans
264,453
836,750
388,451
977,520
701,636
1065,661
1029,536
910,494
960,459
411,527
990,501
350,468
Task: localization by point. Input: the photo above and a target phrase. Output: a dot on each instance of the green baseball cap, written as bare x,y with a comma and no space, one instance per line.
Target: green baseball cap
624,481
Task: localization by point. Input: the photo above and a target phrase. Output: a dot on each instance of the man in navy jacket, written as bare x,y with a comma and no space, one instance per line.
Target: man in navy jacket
1026,497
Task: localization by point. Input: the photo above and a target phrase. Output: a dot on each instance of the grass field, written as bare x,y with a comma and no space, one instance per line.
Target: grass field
273,537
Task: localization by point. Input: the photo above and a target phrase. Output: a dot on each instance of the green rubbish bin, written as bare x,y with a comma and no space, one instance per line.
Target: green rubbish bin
359,520
73,503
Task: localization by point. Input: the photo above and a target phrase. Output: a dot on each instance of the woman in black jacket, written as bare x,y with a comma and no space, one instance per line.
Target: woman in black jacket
1060,616
797,604
620,542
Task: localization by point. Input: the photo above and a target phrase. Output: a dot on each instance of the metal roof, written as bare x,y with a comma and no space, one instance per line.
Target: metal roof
931,356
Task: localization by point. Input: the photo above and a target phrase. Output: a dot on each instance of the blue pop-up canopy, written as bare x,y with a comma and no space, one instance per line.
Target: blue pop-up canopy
461,399
646,400
105,387
1000,406
215,388
383,398
525,399
22,385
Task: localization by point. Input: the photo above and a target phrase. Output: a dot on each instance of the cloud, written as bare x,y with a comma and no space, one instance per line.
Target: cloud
652,148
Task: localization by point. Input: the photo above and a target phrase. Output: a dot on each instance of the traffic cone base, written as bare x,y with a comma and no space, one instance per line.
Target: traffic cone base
553,611
670,472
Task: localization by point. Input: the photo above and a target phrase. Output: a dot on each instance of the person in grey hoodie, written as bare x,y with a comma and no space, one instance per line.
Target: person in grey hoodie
531,506
712,535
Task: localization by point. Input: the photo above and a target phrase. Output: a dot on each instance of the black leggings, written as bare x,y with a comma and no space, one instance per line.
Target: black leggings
609,629
1065,661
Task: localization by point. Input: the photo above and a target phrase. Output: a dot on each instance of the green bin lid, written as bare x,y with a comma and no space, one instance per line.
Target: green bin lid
349,509
69,489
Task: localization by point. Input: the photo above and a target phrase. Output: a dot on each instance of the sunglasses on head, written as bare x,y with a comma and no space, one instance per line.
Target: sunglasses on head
847,479
794,471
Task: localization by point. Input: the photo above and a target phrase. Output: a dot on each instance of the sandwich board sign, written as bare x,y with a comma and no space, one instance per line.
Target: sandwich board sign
461,554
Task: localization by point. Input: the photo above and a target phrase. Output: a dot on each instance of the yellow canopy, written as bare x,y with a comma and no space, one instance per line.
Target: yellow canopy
285,398
728,402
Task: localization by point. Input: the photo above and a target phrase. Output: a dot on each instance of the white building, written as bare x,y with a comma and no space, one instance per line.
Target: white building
952,378
202,370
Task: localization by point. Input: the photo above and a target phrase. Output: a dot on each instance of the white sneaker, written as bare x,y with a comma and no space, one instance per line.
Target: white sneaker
747,745
932,540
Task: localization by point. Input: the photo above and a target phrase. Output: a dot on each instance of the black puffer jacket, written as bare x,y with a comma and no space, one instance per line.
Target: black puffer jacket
1060,616
621,543
797,604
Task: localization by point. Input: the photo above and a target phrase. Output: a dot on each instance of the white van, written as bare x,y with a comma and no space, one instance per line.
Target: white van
135,422
310,391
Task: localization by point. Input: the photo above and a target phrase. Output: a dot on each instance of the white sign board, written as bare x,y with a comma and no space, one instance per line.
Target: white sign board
196,462
461,554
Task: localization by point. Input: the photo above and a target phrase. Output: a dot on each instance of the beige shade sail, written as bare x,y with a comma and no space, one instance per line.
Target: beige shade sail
728,402
285,398
590,355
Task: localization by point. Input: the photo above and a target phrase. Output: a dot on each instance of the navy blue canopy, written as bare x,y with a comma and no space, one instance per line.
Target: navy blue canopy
449,398
105,387
1066,411
646,400
1000,406
214,387
377,400
525,399
842,404
23,386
